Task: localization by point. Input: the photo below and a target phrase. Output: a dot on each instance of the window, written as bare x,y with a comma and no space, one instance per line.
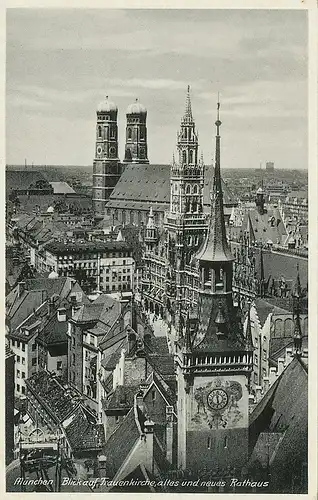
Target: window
23,389
124,262
73,359
18,344
23,360
129,133
23,346
33,361
195,189
12,343
18,359
18,373
59,365
255,359
264,372
153,396
23,374
264,355
188,189
18,387
33,346
209,443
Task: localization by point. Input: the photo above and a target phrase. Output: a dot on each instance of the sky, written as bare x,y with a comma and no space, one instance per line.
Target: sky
61,63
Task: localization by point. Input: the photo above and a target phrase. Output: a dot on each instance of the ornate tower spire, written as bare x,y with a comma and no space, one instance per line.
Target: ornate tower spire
216,247
188,109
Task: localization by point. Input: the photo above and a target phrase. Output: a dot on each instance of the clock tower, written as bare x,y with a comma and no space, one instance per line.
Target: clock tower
106,166
214,358
185,223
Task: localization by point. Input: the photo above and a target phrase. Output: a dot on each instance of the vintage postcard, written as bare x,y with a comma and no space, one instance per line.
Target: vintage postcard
158,298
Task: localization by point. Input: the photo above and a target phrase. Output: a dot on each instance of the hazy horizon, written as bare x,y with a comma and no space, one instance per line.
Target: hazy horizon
62,62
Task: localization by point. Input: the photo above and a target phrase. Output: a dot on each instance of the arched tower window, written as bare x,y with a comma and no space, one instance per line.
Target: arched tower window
99,132
190,156
129,133
184,157
195,189
188,189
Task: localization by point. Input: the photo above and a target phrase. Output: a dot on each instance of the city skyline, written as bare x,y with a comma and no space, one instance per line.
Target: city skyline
61,63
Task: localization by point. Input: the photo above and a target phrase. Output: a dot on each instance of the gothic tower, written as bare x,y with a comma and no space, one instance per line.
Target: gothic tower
136,150
185,223
106,166
214,359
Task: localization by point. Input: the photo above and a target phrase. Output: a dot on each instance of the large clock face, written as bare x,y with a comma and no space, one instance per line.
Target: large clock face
217,399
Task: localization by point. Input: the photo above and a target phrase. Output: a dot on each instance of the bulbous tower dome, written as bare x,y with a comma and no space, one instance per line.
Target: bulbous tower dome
136,108
107,106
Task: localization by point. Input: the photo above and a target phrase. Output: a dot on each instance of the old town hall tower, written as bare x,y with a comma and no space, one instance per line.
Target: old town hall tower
214,358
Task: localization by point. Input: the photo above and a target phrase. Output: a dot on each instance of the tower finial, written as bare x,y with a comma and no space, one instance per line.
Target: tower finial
216,246
188,110
218,122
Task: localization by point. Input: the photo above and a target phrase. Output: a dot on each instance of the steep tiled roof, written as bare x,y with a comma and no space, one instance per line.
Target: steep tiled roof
150,185
121,398
84,435
21,307
59,286
262,228
120,442
264,308
59,402
284,410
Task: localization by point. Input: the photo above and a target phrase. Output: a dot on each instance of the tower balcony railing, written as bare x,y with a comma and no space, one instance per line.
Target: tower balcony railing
239,361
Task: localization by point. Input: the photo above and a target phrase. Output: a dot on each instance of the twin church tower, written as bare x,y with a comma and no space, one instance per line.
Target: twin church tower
107,168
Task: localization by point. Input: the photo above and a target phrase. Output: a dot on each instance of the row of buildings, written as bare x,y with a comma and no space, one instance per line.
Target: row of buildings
202,375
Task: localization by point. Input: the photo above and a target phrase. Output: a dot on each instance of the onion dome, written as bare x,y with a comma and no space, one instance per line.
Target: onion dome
106,106
136,109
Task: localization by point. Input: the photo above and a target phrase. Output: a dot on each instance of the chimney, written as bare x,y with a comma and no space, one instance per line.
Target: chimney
21,288
169,433
289,355
281,367
148,437
140,399
50,306
61,314
131,340
258,391
272,374
266,384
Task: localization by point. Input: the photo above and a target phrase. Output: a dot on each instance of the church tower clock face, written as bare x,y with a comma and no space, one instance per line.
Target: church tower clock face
217,399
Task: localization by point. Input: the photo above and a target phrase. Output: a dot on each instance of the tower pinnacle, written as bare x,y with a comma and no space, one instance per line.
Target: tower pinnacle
188,109
216,247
